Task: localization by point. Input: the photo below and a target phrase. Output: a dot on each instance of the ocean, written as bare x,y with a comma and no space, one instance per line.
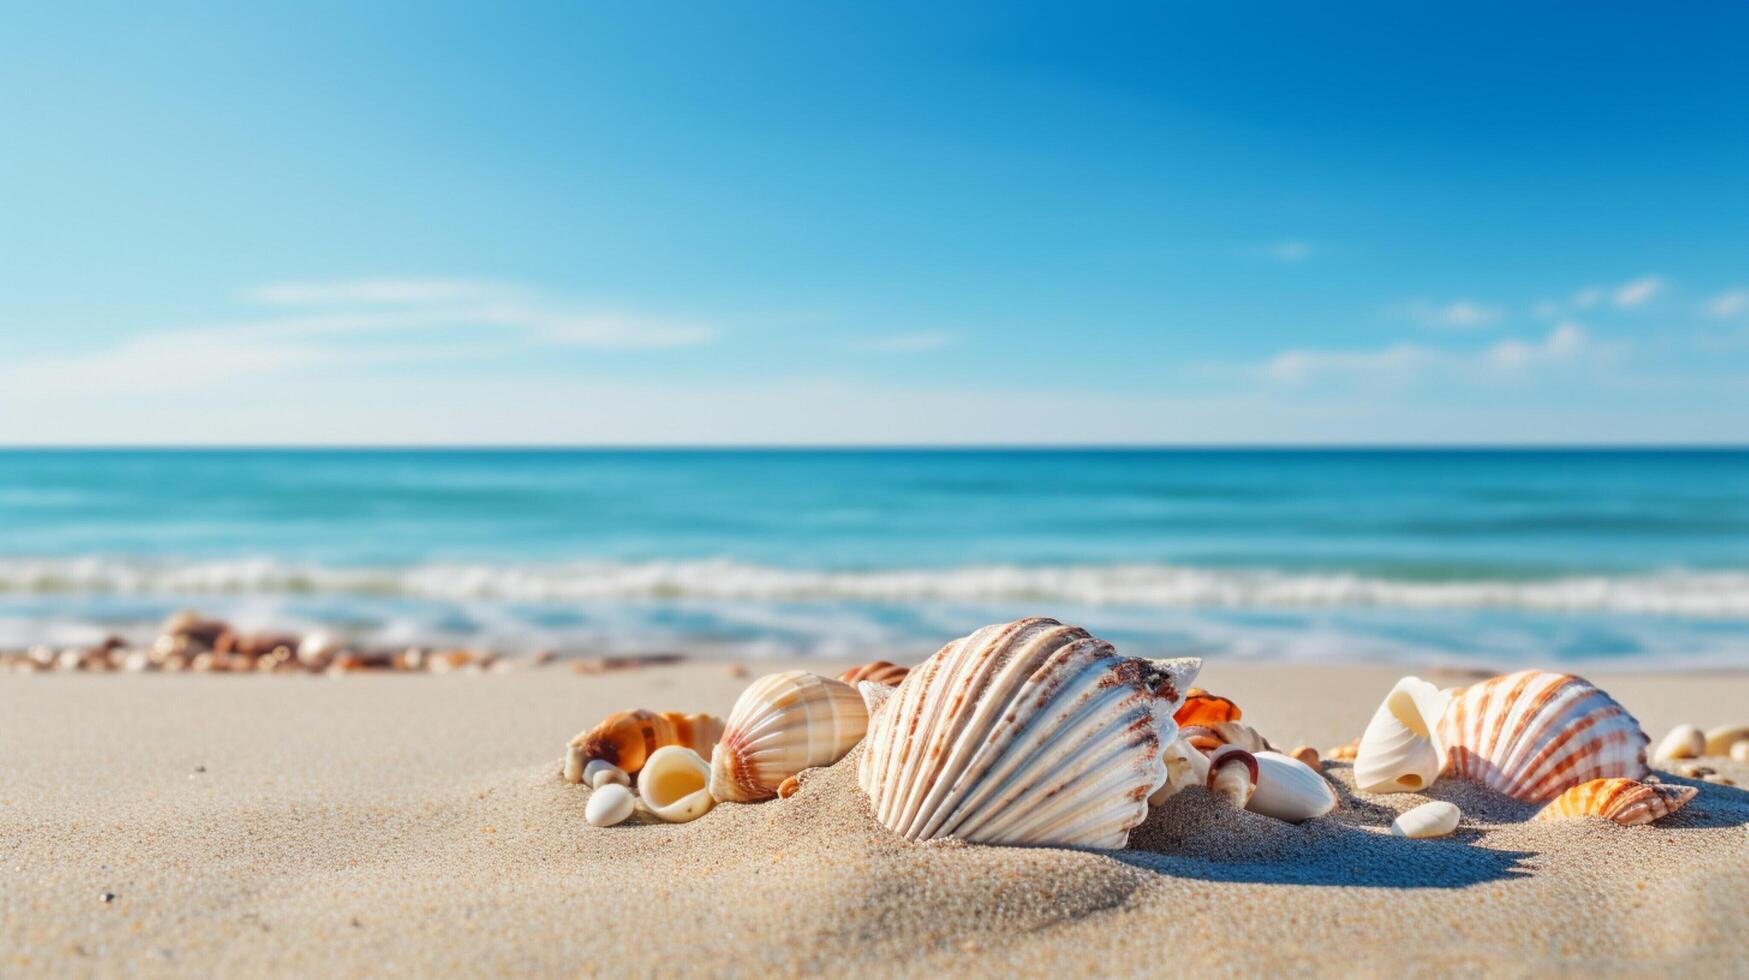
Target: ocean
1496,558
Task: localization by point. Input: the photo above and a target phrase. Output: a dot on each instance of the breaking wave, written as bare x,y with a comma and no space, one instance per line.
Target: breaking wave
1684,594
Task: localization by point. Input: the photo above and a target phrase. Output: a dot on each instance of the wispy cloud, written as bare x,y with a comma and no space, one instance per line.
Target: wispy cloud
1404,362
393,292
1290,250
1728,304
1460,314
907,343
1638,292
353,323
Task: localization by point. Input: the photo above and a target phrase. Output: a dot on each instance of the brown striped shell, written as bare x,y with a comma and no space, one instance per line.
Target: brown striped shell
1029,732
1625,801
627,738
1533,734
781,724
880,672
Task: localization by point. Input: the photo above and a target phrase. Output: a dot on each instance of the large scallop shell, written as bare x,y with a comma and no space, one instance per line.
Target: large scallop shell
1029,732
627,738
1535,733
1400,751
1626,801
784,723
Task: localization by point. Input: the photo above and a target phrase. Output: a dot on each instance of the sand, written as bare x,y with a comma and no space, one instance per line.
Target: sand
416,825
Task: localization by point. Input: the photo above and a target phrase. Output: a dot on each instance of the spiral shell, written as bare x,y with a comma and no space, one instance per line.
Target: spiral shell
1399,751
1535,733
880,672
1625,801
626,739
784,723
1029,732
1202,708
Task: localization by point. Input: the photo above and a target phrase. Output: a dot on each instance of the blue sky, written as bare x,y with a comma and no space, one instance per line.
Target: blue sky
848,223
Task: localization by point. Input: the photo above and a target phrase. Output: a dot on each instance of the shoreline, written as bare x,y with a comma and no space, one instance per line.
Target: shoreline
420,826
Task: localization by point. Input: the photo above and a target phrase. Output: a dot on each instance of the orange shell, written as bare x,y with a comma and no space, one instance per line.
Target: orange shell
1345,752
1202,708
880,671
626,738
788,787
1625,801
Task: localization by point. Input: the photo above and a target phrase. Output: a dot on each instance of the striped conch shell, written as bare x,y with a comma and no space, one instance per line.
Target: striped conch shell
626,739
1029,732
880,672
1535,733
1202,708
1400,749
1626,801
784,723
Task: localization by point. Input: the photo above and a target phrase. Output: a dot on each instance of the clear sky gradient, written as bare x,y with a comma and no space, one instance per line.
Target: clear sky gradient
610,223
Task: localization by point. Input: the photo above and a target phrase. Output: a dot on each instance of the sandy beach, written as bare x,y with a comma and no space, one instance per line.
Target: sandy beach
386,824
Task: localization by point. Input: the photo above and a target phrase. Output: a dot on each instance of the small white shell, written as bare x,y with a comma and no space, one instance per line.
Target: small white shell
599,772
1740,750
609,805
1399,752
316,649
1288,789
1719,740
1434,819
1683,742
1185,766
674,784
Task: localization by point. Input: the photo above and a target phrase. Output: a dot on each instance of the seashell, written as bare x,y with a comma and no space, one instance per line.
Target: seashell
1740,750
1343,753
1683,742
1308,757
1625,801
1207,738
626,739
1202,708
599,772
784,723
874,695
609,805
1719,740
1185,766
316,649
1233,775
1399,751
1534,734
1434,819
1288,790
880,671
788,788
1029,732
675,784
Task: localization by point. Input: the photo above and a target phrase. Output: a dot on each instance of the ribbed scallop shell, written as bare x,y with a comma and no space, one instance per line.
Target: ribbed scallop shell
1626,801
1533,734
784,723
1029,732
880,672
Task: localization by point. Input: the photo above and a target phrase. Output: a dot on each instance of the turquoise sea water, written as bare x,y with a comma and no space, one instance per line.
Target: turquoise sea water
1475,556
